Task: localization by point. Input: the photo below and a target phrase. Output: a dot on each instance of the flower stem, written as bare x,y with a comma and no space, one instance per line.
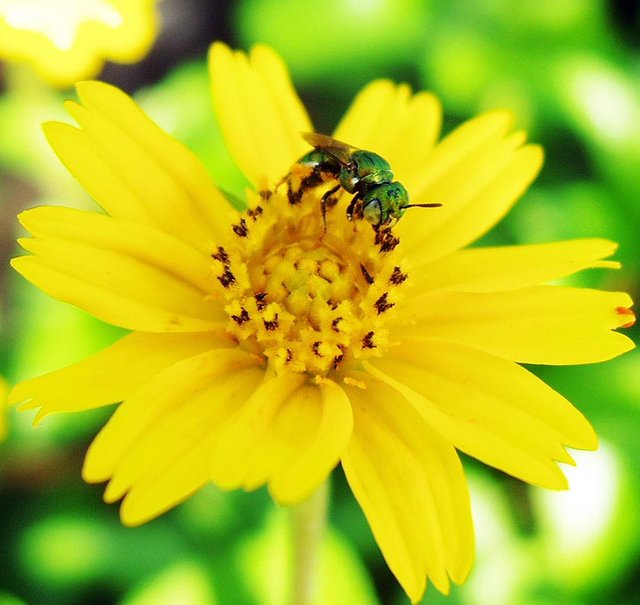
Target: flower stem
308,520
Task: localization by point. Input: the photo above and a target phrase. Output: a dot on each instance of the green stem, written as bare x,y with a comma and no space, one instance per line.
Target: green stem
308,520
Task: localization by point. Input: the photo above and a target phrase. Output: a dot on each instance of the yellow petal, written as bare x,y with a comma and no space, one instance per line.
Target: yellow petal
368,112
185,474
540,324
260,114
463,144
477,173
171,460
126,282
487,407
166,180
233,458
410,485
309,462
130,182
288,434
402,128
510,267
190,188
130,445
278,444
110,375
137,241
100,180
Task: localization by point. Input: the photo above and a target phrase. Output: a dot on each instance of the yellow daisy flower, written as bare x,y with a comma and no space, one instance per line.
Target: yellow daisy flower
266,349
69,40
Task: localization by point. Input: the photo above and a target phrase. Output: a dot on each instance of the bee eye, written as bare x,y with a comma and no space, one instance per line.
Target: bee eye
372,212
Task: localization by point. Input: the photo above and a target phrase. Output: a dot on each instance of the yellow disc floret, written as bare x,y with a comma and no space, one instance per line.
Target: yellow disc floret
308,299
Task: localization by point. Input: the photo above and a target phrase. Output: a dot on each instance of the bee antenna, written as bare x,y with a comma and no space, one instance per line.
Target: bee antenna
434,205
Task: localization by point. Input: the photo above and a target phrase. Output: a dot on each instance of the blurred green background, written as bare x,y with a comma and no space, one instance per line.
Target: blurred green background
570,70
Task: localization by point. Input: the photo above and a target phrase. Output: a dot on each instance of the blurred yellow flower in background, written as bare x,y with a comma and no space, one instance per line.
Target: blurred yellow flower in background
266,350
69,40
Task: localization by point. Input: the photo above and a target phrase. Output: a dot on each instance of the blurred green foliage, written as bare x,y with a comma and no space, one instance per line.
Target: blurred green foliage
570,72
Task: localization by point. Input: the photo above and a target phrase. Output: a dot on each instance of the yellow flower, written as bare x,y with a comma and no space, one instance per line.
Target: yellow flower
266,350
69,40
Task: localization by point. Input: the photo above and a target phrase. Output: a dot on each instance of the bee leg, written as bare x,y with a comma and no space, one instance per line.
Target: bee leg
287,180
355,207
301,177
325,202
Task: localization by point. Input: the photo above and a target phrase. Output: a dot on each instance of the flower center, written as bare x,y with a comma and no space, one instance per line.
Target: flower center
308,299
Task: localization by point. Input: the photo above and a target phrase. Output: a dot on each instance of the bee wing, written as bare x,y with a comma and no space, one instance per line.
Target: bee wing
339,150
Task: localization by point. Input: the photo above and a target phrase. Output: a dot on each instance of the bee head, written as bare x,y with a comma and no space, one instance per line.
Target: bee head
384,203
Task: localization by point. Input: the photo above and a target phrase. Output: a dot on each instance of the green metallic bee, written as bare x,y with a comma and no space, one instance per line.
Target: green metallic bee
378,199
